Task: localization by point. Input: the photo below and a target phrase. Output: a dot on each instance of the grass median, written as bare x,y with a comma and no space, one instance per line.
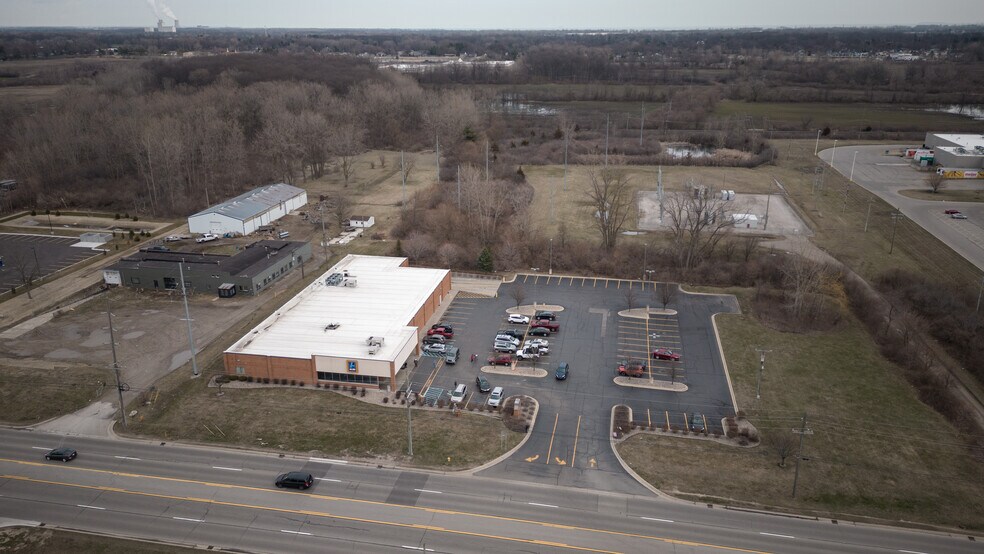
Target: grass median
875,451
38,539
323,423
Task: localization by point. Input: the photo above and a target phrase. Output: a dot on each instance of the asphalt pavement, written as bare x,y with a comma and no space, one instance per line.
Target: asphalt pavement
570,439
886,175
224,498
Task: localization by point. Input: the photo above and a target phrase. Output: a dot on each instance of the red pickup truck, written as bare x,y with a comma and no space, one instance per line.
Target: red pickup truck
547,324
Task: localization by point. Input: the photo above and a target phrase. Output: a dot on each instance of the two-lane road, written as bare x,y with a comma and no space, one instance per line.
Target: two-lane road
225,498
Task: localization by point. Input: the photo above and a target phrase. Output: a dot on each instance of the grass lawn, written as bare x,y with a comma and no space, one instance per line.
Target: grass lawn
38,539
322,423
846,117
53,392
875,451
946,195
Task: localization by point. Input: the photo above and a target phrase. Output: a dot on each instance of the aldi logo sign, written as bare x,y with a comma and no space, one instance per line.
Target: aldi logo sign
353,366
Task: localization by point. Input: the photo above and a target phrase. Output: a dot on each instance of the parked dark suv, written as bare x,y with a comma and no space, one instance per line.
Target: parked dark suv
295,480
543,314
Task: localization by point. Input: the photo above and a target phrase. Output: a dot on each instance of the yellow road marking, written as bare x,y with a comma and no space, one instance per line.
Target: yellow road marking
533,458
576,434
340,499
554,432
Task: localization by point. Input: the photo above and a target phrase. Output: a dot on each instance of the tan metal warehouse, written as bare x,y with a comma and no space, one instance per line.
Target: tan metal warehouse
357,324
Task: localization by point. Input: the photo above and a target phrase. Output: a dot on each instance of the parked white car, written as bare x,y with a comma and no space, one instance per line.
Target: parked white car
459,393
172,238
528,354
496,397
518,319
207,237
540,349
507,338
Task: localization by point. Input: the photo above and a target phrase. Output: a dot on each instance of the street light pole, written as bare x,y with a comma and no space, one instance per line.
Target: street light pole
550,266
816,149
191,336
852,165
833,152
116,365
645,253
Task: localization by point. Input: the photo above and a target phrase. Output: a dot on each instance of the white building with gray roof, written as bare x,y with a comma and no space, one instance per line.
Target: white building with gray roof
247,212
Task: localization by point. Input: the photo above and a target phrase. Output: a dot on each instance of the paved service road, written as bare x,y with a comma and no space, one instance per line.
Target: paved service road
226,498
886,175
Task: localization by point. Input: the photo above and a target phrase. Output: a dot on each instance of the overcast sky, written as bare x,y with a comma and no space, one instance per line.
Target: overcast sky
493,14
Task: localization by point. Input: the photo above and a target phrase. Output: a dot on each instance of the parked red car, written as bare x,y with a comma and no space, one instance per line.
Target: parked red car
951,211
500,359
443,331
631,368
665,354
547,324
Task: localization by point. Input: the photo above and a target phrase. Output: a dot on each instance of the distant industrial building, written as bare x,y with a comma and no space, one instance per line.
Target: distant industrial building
249,272
247,212
358,324
957,151
162,28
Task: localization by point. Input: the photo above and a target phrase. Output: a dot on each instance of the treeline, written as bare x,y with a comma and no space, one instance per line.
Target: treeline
152,140
697,47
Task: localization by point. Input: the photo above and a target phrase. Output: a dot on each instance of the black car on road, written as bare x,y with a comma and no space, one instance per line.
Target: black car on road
295,480
62,454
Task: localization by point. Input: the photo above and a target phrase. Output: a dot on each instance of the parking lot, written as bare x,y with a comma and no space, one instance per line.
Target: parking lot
37,255
570,439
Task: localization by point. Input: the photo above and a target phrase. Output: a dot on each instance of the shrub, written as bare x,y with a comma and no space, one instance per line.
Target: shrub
293,382
266,380
354,390
386,400
730,427
249,378
403,401
117,216
334,386
440,402
134,218
57,212
300,383
363,392
34,212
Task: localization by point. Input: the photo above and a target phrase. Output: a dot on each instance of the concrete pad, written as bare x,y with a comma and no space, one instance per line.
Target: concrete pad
93,420
641,383
520,371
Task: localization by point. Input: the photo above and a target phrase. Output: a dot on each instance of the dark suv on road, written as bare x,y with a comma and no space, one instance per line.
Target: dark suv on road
295,480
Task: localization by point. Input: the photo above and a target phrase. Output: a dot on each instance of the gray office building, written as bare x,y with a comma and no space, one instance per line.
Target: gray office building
248,272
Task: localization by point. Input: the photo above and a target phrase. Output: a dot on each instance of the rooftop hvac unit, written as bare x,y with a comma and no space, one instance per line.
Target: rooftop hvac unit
333,280
377,341
332,326
349,282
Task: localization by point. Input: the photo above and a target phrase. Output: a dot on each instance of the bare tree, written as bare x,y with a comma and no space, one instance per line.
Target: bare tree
341,207
610,199
347,142
936,182
408,165
25,266
749,244
698,221
485,202
784,444
417,245
518,294
667,292
630,297
805,279
382,160
450,254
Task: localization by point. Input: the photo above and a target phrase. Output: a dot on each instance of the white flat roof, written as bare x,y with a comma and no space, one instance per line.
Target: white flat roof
965,140
385,299
960,151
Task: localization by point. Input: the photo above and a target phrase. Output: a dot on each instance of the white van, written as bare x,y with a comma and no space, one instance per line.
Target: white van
496,397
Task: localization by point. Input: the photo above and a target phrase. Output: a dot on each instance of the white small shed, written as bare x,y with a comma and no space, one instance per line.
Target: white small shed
745,221
362,221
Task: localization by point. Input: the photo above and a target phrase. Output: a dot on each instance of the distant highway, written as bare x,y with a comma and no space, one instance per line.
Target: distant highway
226,498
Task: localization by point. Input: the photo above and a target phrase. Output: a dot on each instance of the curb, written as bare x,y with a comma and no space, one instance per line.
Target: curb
625,466
513,450
724,362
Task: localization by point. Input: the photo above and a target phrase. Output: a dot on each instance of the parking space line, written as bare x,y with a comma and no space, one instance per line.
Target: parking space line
552,433
595,284
577,432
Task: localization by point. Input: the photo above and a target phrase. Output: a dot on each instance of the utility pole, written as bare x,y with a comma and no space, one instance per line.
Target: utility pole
486,162
642,123
608,120
409,423
459,187
550,267
116,365
816,149
659,192
191,336
852,165
437,155
403,175
833,152
867,217
768,200
324,237
895,220
758,382
802,432
645,253
566,140
981,292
